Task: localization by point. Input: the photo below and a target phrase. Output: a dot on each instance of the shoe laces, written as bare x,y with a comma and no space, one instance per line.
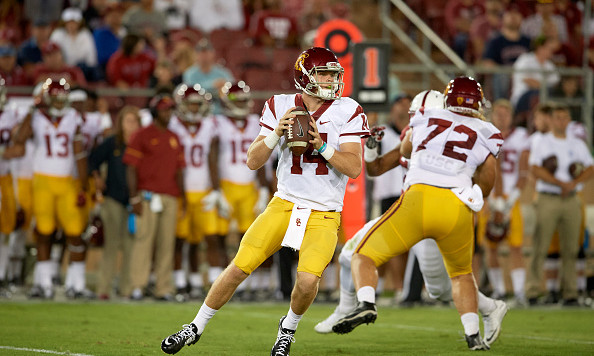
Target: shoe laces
283,342
184,335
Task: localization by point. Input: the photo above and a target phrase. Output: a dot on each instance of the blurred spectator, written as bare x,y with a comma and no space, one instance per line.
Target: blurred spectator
164,78
569,88
537,60
76,42
144,20
564,55
130,66
505,48
206,71
109,36
11,17
458,15
485,27
114,211
9,71
94,13
155,161
183,55
274,28
99,106
30,51
210,15
561,164
53,66
176,12
544,17
44,10
315,13
573,18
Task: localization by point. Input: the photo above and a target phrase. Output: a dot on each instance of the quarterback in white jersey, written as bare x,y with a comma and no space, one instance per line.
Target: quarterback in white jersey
446,148
304,213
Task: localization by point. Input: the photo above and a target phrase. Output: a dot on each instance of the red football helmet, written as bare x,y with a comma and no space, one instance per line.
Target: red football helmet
307,67
464,95
55,91
193,102
236,100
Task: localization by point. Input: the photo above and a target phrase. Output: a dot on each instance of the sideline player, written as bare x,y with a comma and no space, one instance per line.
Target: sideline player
426,251
58,153
305,212
448,149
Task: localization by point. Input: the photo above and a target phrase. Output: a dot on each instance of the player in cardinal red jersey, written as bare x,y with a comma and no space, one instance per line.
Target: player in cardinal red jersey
305,211
197,132
446,147
58,152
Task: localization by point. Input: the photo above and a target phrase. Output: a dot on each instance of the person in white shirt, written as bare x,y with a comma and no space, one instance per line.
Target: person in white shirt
76,42
561,164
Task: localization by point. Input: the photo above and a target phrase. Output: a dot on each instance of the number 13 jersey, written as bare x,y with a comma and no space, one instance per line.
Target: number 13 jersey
53,154
308,180
448,147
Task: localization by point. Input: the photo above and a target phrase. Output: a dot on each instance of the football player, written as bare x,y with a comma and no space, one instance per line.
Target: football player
238,128
449,150
426,251
505,212
305,211
197,132
58,153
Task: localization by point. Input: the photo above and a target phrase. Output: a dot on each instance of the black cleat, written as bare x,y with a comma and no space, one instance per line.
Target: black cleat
365,312
186,336
475,342
284,338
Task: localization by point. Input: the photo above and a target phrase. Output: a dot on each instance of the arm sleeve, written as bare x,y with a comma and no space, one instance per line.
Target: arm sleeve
268,120
355,128
535,158
91,50
494,139
100,154
585,155
181,160
133,153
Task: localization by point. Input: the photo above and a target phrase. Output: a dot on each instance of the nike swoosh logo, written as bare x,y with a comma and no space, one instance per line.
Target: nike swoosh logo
298,208
325,122
327,217
167,342
301,133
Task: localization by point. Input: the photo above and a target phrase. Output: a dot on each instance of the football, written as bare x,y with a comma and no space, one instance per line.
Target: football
297,135
550,164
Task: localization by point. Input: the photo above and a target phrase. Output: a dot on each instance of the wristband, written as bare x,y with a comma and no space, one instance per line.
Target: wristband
371,154
322,148
271,140
328,152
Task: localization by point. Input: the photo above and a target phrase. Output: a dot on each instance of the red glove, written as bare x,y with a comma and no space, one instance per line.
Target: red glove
81,199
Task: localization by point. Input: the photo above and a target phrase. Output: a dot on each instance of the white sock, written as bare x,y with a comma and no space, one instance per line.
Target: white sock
3,256
470,321
196,280
347,301
179,275
380,285
366,294
485,304
69,280
203,317
518,277
213,273
292,320
78,275
45,273
496,279
580,265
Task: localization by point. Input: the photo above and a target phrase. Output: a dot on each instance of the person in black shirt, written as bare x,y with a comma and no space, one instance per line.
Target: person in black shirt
114,207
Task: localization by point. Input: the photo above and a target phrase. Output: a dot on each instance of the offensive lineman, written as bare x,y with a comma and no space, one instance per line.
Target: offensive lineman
305,212
446,148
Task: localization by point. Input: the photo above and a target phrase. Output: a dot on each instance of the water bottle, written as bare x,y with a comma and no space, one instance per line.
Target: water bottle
131,221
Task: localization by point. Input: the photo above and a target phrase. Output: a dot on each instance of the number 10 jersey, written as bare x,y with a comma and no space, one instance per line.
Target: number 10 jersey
309,180
448,147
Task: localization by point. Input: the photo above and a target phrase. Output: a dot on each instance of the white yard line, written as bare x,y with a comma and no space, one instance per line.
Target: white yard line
41,351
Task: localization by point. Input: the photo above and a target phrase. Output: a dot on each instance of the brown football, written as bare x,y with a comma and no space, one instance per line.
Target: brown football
297,135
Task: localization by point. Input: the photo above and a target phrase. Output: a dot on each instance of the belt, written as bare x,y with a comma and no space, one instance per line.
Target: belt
572,193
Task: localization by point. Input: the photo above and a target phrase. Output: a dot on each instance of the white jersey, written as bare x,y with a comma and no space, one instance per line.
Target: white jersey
448,147
9,119
517,142
569,150
389,184
53,154
91,129
22,167
308,180
233,147
196,142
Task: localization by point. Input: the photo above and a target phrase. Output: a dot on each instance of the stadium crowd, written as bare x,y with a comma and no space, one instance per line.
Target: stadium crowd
163,176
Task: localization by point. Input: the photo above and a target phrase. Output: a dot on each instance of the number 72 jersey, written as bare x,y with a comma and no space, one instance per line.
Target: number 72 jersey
448,147
53,154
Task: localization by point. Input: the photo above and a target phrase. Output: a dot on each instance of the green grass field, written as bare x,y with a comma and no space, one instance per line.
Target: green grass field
250,329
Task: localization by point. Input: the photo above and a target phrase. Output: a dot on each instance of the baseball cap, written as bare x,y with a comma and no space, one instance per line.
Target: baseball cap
401,96
72,14
7,51
164,102
50,47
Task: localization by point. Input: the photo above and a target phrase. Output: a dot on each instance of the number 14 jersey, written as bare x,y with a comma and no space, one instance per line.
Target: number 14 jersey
448,147
309,180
